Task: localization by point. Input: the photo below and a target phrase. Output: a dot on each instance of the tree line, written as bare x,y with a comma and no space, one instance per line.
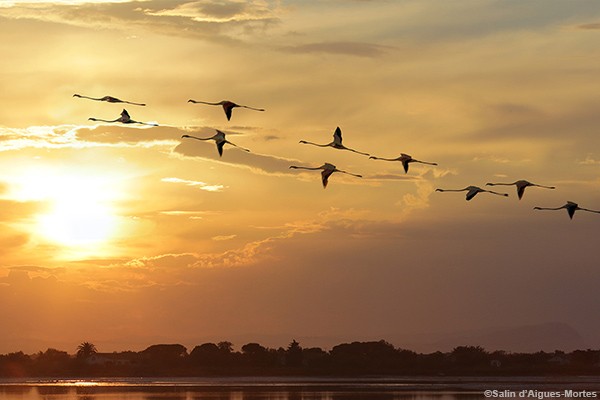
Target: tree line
347,359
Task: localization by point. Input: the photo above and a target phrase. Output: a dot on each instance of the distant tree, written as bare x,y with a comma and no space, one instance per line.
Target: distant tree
253,348
225,347
85,350
365,357
168,351
293,354
164,359
314,357
256,356
206,354
469,356
52,362
15,365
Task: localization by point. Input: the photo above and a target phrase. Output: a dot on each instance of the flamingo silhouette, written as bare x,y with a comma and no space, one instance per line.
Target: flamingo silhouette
571,208
471,191
219,139
109,99
405,159
336,144
228,106
328,169
521,185
124,119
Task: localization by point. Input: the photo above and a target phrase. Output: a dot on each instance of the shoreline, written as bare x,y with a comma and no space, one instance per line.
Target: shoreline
313,383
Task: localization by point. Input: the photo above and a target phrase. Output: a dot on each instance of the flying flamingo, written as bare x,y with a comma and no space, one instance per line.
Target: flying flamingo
228,106
405,159
521,185
471,191
124,118
570,206
219,139
328,169
109,99
336,144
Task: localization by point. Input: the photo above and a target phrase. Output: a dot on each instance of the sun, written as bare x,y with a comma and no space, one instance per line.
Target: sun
79,212
77,220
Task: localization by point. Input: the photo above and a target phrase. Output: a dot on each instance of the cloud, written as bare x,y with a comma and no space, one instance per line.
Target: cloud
394,177
189,214
14,211
223,237
591,26
13,3
511,121
171,269
178,266
200,185
221,21
81,136
358,49
221,11
13,214
37,137
258,163
589,160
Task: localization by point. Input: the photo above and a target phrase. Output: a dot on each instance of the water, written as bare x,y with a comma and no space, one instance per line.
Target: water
378,388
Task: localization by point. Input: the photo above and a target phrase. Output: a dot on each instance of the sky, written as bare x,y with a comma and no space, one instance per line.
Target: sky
129,235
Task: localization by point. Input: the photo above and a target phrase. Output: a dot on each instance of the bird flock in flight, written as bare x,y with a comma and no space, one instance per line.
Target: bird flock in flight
327,168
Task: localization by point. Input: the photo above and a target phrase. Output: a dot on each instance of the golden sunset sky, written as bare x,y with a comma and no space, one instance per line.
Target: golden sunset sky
129,235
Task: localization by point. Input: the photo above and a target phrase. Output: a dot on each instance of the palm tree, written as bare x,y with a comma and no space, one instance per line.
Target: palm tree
86,349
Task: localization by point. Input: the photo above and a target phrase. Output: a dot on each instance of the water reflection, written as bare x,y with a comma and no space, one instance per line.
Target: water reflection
178,393
287,388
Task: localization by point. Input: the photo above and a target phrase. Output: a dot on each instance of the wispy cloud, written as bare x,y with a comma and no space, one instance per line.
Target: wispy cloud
12,3
591,26
221,238
589,160
198,184
81,136
393,177
222,21
187,213
259,163
221,11
357,49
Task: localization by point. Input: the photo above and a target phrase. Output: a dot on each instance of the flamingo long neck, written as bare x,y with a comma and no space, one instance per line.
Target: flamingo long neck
91,98
197,138
309,168
104,120
384,159
317,144
206,102
454,190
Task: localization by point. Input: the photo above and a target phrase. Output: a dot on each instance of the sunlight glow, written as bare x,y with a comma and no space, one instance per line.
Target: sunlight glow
80,207
12,3
77,221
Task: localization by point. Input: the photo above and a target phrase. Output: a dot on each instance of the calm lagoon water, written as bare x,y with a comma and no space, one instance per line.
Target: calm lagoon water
396,388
